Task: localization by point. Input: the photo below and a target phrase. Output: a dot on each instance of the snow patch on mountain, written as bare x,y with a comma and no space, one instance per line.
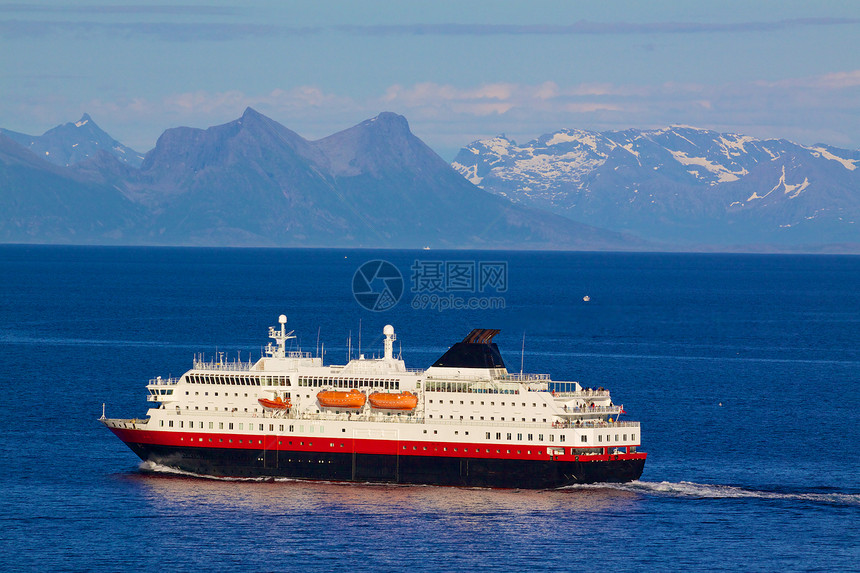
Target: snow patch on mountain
724,175
848,164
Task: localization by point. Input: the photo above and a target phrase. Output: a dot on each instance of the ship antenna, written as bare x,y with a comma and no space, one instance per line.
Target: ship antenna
318,340
359,338
523,354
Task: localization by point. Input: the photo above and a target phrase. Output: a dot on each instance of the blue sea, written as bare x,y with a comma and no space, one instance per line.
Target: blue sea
743,370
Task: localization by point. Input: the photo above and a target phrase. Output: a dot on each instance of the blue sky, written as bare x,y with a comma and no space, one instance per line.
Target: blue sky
458,71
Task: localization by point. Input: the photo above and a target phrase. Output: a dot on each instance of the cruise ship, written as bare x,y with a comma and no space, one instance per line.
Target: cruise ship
464,421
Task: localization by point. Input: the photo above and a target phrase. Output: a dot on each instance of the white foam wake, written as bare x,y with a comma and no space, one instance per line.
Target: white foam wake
152,467
692,490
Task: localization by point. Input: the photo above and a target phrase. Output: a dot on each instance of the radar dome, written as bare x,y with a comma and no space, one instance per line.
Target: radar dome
388,330
282,319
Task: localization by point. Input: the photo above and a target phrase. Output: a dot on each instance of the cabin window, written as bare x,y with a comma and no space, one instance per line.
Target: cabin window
181,423
540,437
220,425
162,423
230,426
551,438
498,435
261,427
561,438
633,437
530,437
583,439
625,437
509,436
488,435
211,425
271,427
519,436
600,438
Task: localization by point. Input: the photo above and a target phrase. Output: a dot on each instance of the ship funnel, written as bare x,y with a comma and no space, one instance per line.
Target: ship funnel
390,337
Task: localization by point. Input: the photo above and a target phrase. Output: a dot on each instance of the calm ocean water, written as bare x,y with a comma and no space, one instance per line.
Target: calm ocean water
743,370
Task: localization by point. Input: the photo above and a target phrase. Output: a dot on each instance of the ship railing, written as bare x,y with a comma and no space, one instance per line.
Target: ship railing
592,409
159,381
523,377
584,393
220,365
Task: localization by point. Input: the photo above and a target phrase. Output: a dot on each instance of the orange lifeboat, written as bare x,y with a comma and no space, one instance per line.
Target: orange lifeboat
391,401
276,404
340,399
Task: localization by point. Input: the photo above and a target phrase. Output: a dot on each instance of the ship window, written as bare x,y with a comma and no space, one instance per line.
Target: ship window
509,436
519,436
492,403
211,425
181,423
600,438
241,426
616,437
291,427
482,402
561,438
633,437
530,437
261,427
472,402
220,425
551,438
162,422
271,427
625,437
230,426
488,435
583,439
528,451
540,437
498,435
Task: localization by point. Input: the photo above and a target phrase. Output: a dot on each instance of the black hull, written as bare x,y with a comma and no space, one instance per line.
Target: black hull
468,472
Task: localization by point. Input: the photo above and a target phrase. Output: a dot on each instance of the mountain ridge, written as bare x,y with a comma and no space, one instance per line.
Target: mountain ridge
254,182
681,185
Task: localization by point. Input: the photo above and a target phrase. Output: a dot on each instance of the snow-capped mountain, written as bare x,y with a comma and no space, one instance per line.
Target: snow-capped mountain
71,143
679,184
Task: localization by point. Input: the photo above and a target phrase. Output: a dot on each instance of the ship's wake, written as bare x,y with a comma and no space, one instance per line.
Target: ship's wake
154,468
691,490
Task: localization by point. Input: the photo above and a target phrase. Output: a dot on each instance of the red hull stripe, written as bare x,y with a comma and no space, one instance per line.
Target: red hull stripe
360,446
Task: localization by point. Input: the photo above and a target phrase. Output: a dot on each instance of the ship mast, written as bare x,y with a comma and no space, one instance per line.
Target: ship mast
280,336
